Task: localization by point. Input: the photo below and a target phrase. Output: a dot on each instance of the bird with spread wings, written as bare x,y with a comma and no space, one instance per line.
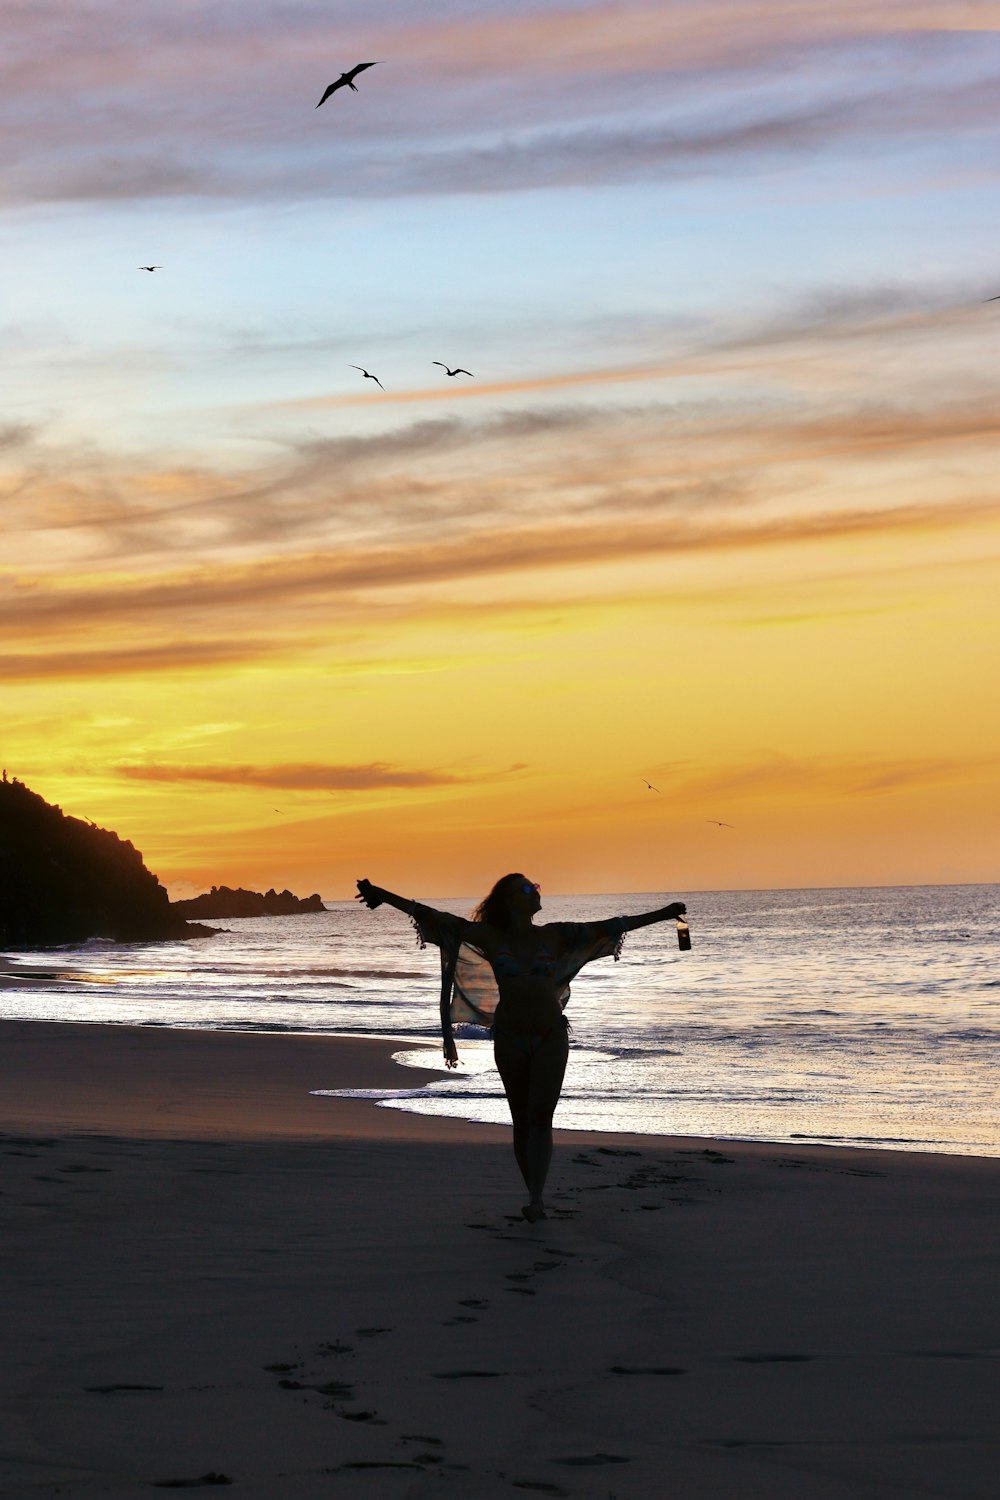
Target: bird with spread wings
346,80
368,376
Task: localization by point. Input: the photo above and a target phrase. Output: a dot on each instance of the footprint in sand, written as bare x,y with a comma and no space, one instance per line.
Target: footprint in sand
370,1333
111,1390
341,1390
374,1463
745,1443
466,1374
647,1370
773,1359
191,1484
541,1485
473,1302
592,1460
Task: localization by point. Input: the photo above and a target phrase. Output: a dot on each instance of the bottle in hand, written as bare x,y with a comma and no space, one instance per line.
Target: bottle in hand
683,935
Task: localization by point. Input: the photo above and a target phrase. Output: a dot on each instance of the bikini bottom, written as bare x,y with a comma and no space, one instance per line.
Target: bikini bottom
530,1042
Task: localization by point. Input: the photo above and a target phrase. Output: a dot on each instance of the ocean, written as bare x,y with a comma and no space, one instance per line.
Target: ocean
868,1016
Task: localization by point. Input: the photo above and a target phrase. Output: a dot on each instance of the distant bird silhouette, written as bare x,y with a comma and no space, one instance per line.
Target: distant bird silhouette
652,788
458,371
149,268
346,80
369,377
718,824
992,299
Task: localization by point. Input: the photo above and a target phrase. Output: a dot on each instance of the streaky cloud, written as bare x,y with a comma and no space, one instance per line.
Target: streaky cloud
296,777
116,661
342,581
209,104
777,775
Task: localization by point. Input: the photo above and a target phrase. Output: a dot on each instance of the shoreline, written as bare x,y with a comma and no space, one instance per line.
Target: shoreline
211,1275
268,1095
198,1086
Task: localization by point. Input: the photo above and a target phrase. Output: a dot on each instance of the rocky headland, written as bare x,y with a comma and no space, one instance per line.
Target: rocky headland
222,901
64,880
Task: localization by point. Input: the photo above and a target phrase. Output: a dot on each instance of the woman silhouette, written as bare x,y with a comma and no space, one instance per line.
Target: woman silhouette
498,969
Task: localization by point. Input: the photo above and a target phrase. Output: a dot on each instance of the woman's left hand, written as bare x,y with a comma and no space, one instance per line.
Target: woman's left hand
370,894
677,909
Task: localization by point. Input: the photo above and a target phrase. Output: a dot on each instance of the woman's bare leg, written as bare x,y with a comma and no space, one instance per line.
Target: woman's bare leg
532,1082
548,1068
513,1065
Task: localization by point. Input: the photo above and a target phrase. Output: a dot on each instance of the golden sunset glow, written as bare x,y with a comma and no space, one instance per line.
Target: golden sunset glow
717,509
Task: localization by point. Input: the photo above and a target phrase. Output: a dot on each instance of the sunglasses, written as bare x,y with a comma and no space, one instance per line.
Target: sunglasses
528,886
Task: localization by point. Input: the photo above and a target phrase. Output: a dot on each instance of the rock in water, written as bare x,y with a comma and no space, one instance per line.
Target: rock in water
222,901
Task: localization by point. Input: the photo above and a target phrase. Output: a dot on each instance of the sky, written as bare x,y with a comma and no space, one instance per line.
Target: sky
692,584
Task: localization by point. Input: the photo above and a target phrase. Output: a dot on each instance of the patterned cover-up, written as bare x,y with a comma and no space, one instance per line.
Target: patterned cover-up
468,987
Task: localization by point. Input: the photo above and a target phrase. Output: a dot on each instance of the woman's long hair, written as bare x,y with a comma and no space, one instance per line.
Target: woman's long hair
494,910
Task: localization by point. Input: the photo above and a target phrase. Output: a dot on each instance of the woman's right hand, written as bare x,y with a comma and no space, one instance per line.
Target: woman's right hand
371,895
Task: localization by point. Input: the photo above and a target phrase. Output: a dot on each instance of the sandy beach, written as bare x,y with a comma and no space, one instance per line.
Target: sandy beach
211,1276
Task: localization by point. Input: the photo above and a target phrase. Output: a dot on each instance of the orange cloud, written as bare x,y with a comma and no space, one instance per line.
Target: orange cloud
302,778
118,661
337,576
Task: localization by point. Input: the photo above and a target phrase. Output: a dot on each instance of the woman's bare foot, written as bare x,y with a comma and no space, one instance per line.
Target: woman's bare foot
533,1212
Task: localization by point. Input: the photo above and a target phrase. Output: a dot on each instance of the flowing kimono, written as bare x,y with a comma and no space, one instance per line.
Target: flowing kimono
468,986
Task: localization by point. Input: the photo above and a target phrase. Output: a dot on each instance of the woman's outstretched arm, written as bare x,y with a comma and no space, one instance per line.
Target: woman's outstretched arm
433,925
440,928
647,918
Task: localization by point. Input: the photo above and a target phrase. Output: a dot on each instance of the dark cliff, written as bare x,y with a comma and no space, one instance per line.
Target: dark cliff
64,880
221,901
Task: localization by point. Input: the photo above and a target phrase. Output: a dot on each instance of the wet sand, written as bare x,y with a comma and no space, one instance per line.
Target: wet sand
210,1275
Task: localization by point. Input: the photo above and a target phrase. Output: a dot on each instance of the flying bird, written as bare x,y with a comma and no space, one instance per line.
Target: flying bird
346,80
369,377
149,268
651,787
718,824
458,371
